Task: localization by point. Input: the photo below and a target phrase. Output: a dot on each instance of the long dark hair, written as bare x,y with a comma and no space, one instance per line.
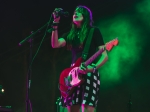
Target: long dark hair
86,23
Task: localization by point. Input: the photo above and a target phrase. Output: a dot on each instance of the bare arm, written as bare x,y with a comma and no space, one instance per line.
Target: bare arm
102,59
55,42
99,63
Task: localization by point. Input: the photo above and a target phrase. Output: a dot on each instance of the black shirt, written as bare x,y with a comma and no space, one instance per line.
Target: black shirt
76,50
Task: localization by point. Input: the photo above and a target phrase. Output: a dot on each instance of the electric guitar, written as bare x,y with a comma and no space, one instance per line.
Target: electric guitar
70,77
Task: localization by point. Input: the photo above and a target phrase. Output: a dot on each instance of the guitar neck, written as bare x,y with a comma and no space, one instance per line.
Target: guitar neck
92,58
108,47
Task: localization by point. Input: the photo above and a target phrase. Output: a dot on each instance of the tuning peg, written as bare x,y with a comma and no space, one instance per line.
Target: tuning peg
115,42
109,47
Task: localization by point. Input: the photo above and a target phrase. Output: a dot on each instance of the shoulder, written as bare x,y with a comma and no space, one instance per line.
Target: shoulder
96,29
97,36
64,35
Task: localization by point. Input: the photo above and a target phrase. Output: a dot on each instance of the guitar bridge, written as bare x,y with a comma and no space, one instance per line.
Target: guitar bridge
68,80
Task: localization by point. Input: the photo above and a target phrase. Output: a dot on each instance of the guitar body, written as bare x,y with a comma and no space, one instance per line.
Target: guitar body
70,78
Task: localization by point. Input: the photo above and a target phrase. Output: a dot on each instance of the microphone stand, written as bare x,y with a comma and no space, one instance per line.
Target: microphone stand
28,78
33,33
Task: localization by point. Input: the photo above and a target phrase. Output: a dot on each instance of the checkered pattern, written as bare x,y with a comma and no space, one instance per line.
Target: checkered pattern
87,93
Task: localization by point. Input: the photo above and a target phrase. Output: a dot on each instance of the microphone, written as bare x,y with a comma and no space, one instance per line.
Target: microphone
60,12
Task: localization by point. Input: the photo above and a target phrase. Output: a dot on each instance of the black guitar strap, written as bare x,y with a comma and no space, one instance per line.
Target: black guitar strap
87,44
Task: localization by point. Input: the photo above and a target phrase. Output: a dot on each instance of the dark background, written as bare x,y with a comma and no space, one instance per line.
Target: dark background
19,18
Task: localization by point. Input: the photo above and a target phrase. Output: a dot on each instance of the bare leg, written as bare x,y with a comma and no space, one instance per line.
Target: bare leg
87,108
74,108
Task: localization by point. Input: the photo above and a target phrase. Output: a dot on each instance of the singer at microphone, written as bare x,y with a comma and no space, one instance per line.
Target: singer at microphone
56,14
59,12
83,41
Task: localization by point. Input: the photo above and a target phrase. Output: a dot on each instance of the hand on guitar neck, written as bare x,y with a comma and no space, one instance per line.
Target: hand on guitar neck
85,69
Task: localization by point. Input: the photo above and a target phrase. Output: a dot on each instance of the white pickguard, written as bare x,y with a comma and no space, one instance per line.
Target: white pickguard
75,76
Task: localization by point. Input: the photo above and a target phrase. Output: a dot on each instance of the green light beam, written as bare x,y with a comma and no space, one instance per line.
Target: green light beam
123,57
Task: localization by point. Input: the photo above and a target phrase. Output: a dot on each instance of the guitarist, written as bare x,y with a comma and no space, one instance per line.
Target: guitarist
86,94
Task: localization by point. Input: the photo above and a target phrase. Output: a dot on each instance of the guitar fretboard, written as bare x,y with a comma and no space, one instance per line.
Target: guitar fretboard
92,58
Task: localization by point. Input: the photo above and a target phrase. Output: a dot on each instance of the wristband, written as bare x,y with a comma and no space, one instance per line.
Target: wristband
94,69
55,21
53,29
55,24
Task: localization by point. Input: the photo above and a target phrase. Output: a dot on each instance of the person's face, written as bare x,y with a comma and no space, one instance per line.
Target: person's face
77,17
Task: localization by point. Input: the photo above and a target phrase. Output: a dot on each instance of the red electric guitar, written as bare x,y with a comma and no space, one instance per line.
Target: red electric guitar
70,77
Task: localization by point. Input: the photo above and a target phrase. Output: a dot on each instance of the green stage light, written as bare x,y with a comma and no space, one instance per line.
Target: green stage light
122,58
143,11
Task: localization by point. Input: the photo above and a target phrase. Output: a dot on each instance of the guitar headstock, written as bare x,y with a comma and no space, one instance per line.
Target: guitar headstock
109,45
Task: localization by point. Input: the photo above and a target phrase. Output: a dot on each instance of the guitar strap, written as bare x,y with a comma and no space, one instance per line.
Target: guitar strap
87,44
84,56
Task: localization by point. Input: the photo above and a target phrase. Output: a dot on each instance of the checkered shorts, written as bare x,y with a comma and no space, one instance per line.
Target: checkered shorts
86,93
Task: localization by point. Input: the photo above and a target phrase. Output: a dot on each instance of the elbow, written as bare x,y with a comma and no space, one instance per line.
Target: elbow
106,57
54,46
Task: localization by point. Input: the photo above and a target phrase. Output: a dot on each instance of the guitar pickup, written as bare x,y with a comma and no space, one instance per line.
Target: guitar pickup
68,80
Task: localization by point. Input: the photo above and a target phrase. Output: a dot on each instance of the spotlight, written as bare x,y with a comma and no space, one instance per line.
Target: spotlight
1,90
